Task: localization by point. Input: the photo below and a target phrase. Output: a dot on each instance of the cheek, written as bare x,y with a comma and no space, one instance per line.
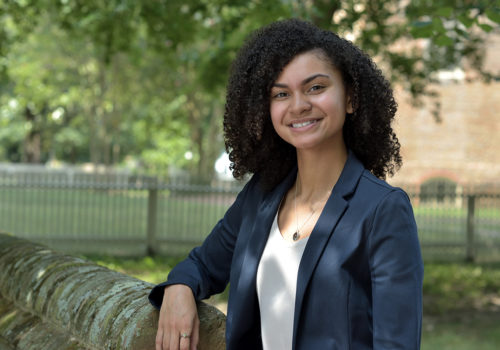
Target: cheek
277,112
332,103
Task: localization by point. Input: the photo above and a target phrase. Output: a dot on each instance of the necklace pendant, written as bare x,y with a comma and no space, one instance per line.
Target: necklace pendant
296,236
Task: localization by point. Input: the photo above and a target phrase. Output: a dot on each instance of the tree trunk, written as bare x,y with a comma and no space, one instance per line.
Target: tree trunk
33,140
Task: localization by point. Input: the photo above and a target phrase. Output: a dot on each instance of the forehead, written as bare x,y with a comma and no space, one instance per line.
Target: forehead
310,62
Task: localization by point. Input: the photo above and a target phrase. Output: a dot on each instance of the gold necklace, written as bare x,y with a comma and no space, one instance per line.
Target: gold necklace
296,234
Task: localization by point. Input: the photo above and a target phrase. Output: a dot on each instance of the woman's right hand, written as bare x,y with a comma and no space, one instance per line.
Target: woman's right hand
178,325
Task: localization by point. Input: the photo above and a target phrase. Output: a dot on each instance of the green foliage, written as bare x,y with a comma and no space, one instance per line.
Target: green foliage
114,80
452,288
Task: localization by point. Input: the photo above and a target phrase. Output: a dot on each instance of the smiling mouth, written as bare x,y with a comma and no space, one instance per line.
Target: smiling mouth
306,123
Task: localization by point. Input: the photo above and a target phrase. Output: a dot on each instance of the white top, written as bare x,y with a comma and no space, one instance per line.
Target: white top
276,287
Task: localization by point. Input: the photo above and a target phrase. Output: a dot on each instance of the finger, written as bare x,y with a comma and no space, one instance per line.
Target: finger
195,336
167,336
174,340
159,339
184,342
162,336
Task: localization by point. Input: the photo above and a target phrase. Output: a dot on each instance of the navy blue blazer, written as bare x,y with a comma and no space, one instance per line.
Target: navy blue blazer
359,282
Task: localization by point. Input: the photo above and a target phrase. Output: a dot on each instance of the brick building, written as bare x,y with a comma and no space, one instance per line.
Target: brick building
464,148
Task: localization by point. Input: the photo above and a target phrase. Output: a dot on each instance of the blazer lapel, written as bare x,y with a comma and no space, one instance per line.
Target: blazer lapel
246,288
325,226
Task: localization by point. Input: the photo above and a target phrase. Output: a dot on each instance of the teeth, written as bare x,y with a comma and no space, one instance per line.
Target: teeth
300,125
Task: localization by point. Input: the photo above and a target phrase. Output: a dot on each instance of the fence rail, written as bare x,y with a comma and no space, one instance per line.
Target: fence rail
142,215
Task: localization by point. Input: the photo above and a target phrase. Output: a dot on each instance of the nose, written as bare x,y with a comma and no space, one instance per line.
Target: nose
300,104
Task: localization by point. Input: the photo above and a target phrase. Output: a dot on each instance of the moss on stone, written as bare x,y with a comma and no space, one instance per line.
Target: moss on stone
54,301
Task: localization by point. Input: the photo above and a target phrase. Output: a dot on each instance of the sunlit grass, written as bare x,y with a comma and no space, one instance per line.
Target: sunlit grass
152,270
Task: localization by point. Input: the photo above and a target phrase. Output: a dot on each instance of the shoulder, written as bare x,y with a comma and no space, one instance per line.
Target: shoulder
374,197
386,206
377,189
251,194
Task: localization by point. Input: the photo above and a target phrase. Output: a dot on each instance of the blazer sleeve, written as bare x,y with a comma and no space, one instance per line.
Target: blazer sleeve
396,269
206,269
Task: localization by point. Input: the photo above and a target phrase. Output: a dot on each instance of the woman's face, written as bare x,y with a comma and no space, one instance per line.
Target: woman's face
309,103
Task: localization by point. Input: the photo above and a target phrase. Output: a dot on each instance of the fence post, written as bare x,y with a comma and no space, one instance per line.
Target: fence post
151,224
470,228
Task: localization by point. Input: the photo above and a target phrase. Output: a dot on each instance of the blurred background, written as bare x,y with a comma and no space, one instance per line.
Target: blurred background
111,139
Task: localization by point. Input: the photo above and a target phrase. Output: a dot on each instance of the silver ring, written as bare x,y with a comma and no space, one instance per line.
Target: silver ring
185,335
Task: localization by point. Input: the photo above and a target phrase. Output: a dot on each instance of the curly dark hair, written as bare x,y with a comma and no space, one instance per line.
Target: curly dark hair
251,141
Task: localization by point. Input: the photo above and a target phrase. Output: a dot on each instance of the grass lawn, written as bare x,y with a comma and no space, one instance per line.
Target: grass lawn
115,221
473,330
107,214
461,301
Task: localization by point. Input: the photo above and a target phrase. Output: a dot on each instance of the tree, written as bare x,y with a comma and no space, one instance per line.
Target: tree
103,81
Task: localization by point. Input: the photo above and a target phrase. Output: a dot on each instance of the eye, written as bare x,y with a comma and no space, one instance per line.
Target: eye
280,94
316,87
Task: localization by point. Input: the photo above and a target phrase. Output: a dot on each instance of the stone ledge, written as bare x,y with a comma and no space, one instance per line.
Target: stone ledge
55,301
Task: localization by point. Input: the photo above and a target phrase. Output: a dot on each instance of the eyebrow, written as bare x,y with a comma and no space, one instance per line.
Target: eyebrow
305,81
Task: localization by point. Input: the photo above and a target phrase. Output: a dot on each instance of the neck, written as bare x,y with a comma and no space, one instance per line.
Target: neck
318,172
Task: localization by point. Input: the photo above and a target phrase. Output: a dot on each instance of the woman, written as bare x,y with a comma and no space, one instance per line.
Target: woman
319,251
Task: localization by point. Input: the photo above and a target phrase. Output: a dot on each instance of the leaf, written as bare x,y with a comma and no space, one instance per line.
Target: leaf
486,27
494,15
422,29
465,20
438,26
443,40
444,12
